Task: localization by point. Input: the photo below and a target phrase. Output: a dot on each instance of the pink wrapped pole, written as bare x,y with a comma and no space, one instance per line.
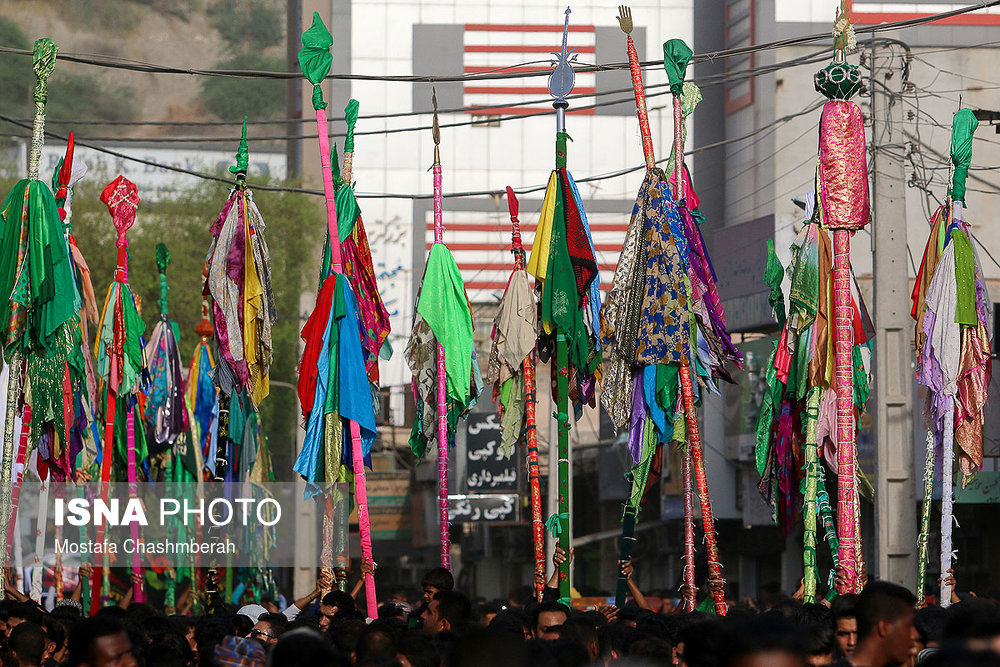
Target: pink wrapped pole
22,451
442,393
687,468
133,490
843,180
361,497
843,382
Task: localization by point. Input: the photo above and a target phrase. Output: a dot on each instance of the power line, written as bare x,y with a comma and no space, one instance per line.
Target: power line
361,195
128,64
704,82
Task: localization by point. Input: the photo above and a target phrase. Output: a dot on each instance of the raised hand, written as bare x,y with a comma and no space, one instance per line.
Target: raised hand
625,19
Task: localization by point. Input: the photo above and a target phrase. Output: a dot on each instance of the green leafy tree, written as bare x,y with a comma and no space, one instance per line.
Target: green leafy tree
256,24
231,99
16,79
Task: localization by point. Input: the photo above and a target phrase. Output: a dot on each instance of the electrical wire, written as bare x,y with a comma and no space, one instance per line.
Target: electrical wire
362,195
129,64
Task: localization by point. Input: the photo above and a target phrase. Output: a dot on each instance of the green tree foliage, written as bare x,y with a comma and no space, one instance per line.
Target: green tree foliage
86,97
79,96
16,79
250,24
231,99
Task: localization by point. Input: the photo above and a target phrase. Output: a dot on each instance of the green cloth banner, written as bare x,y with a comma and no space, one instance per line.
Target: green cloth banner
963,126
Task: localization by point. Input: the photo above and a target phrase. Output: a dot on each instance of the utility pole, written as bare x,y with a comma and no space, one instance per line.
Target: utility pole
293,97
895,498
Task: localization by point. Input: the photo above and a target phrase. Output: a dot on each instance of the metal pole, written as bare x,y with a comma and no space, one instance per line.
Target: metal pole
895,492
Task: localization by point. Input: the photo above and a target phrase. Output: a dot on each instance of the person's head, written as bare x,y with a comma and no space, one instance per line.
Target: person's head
448,610
511,622
651,651
482,648
303,647
22,612
974,624
546,618
376,641
27,643
483,613
819,643
268,628
415,650
584,633
100,641
930,623
845,625
768,640
613,640
521,596
332,604
885,620
56,632
437,580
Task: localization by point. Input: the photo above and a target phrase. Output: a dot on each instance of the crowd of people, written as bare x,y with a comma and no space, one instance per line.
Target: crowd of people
883,625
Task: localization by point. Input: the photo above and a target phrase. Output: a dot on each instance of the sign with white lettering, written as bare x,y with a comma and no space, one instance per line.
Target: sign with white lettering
486,468
490,507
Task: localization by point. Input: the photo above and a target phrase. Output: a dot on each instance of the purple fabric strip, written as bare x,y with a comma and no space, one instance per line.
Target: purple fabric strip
638,418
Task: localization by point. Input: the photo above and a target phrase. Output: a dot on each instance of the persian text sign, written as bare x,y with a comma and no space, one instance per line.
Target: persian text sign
493,508
487,470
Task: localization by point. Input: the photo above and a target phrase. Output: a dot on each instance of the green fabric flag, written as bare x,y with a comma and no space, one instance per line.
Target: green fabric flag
338,310
560,299
803,294
315,58
640,472
963,126
46,283
445,308
347,211
242,153
965,279
676,56
772,399
773,273
351,117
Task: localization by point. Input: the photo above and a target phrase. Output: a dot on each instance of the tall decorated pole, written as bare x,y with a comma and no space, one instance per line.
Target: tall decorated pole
567,280
844,202
511,371
663,330
442,384
799,390
334,389
165,411
36,276
952,309
440,353
373,323
118,349
79,376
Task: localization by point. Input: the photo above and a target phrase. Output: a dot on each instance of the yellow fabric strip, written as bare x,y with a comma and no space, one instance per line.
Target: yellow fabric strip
539,261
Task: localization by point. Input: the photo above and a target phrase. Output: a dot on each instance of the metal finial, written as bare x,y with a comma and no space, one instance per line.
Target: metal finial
436,130
563,77
625,19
